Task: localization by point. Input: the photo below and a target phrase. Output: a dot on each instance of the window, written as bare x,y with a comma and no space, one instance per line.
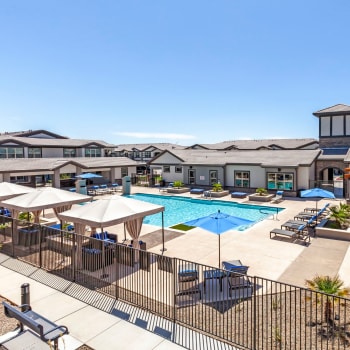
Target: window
19,179
34,152
178,169
166,169
213,177
242,179
338,125
69,152
92,152
148,154
325,126
124,171
280,181
11,152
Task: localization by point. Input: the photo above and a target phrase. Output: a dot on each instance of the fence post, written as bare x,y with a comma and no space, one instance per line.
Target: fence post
254,316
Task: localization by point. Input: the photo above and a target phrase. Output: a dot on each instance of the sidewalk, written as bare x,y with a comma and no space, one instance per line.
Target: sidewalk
92,318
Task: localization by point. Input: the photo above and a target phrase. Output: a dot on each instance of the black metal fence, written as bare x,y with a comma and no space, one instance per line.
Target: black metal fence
246,311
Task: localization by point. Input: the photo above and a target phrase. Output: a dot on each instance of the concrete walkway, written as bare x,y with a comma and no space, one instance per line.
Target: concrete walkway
94,319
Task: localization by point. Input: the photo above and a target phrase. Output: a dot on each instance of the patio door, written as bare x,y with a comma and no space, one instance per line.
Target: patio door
192,177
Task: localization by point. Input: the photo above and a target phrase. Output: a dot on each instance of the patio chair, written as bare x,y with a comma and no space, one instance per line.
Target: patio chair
237,277
278,197
187,282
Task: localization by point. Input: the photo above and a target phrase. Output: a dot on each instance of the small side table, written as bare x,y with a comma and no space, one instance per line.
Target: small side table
213,274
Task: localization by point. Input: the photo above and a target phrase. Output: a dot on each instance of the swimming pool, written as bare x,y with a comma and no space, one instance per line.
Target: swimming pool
181,209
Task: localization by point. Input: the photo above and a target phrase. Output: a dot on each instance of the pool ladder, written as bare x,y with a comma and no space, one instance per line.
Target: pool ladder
207,194
273,215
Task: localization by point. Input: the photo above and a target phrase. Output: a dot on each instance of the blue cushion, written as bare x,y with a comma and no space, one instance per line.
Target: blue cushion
301,227
92,251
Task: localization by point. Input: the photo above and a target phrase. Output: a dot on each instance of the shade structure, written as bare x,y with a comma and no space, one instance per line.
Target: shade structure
88,176
9,190
110,211
40,199
316,193
44,198
219,223
114,210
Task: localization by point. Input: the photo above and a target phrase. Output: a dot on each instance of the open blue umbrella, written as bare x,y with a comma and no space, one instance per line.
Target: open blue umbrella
88,176
218,223
316,193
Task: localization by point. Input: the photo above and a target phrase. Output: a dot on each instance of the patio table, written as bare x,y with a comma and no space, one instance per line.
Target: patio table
213,274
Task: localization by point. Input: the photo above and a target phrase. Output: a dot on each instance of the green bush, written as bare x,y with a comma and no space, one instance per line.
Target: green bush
217,187
178,184
261,191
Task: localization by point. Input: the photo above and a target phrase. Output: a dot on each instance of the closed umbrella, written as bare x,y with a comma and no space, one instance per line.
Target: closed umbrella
316,193
219,223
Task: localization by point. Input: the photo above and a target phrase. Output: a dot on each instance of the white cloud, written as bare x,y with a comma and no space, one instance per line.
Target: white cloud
145,135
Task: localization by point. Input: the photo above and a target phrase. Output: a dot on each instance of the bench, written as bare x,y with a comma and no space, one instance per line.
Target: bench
47,330
288,233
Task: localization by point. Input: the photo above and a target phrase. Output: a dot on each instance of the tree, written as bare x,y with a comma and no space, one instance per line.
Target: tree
332,286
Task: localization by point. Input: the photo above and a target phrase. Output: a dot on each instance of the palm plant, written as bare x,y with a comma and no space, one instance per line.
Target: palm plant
340,214
217,187
332,286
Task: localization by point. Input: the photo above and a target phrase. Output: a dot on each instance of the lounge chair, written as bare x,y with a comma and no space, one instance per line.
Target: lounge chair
237,277
296,230
278,197
239,194
197,191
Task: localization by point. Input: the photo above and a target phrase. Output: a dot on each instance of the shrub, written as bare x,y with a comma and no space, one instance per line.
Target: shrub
178,184
261,191
217,187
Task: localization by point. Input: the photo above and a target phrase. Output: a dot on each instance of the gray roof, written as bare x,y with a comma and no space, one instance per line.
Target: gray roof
145,146
265,158
308,143
38,164
46,142
334,110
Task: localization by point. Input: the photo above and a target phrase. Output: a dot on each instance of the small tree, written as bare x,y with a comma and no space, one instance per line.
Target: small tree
333,286
178,184
261,191
217,187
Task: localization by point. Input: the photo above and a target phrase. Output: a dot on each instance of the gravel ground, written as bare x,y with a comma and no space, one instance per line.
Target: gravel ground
8,324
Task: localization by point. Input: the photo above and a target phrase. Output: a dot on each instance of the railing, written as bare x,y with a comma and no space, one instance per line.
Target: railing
245,311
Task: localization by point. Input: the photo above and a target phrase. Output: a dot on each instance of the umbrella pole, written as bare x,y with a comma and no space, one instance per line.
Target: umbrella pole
219,251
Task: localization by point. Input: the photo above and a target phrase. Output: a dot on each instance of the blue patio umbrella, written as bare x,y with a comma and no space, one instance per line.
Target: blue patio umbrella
316,193
219,223
88,176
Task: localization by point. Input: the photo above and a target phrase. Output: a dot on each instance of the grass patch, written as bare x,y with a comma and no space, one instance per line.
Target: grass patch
182,227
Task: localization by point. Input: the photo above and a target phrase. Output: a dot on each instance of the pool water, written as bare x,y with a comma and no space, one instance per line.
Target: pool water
182,209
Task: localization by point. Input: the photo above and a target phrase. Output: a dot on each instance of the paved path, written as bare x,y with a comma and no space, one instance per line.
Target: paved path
323,257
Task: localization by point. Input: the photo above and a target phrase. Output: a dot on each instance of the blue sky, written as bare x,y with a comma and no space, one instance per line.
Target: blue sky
184,72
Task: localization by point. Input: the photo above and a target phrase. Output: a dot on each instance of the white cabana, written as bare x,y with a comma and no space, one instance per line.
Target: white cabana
110,211
40,199
9,190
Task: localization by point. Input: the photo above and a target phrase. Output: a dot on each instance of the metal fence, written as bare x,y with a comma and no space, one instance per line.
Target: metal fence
245,311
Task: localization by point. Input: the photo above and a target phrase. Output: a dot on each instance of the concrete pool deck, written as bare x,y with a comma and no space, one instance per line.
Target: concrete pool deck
276,259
